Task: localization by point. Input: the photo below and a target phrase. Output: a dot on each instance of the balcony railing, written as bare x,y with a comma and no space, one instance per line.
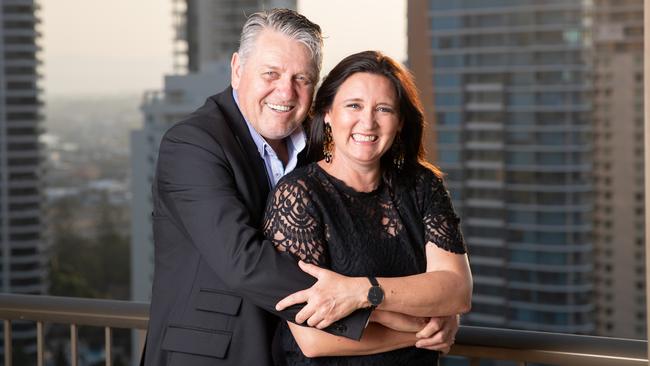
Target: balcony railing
474,343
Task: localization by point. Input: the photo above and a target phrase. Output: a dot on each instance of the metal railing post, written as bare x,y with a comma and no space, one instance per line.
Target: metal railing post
74,353
39,344
7,335
108,335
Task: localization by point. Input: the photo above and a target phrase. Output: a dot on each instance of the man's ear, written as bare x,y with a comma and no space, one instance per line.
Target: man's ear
235,70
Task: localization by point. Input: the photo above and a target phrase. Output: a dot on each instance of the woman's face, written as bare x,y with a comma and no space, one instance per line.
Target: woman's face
364,118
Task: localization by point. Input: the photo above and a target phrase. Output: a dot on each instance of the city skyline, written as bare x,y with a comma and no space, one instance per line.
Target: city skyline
535,116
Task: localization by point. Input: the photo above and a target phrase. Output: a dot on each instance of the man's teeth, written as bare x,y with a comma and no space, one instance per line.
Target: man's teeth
363,138
279,107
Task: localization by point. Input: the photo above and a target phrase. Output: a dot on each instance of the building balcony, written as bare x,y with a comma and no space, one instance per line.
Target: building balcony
472,343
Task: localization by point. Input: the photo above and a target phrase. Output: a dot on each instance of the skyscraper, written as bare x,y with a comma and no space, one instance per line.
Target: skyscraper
511,100
618,168
22,263
208,31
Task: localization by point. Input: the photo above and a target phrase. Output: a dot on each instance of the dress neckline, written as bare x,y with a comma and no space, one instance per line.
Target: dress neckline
346,188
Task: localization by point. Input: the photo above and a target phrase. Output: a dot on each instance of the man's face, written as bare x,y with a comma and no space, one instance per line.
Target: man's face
275,85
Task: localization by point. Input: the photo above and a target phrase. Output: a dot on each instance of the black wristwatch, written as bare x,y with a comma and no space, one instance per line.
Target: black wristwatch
376,293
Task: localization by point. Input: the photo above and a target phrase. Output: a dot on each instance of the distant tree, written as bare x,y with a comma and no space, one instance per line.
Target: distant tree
69,257
96,267
113,249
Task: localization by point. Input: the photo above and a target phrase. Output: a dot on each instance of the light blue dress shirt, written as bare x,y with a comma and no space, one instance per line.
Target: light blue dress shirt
275,169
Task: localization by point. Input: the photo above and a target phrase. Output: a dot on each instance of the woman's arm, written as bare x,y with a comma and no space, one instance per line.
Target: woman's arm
445,289
375,339
446,286
399,322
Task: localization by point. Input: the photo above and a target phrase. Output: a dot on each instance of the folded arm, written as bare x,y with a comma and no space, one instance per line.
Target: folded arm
375,339
436,334
445,289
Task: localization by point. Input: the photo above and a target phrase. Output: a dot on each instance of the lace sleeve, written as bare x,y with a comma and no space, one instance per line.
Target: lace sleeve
292,225
441,224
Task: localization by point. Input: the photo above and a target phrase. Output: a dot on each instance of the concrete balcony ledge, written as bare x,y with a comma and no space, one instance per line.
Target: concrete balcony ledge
549,348
474,343
70,310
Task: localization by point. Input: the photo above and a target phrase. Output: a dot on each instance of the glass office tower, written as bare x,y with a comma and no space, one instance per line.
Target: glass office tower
512,118
22,245
619,235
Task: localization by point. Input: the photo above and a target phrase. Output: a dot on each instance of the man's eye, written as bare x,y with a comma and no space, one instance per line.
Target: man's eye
303,79
270,74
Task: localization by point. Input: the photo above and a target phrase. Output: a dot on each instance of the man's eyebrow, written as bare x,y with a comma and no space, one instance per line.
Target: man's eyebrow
308,74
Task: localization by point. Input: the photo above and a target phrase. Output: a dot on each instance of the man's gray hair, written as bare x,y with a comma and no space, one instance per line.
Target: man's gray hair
288,22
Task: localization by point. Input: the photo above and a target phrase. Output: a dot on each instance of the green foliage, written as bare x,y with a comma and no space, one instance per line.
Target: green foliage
94,265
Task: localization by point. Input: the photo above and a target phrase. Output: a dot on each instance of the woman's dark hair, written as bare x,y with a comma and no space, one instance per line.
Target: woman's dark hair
410,107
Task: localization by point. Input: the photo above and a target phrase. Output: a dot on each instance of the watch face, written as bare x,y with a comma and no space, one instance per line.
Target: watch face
375,295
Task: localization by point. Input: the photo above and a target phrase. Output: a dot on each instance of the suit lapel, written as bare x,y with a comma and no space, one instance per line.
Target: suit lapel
238,125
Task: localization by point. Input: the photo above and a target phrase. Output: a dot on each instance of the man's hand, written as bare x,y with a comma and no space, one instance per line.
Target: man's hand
439,334
331,298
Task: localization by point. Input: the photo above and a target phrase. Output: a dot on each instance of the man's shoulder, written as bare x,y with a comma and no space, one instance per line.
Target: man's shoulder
213,119
213,114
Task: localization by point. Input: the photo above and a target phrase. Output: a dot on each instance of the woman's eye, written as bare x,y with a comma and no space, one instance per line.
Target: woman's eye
385,109
353,106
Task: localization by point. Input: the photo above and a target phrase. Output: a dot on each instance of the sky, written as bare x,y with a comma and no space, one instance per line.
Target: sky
107,47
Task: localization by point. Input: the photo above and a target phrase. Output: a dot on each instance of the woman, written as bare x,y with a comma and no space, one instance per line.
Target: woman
371,206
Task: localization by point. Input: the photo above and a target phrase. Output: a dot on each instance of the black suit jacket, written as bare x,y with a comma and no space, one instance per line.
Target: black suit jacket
216,279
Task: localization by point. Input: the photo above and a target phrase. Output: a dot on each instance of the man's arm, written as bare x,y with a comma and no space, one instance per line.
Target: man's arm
445,289
198,192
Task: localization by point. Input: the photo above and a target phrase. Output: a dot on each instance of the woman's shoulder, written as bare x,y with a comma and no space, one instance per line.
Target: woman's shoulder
427,175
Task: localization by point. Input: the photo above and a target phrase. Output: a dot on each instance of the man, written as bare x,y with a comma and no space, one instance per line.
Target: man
216,280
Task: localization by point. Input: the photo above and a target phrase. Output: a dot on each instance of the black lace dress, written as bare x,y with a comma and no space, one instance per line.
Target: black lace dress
383,233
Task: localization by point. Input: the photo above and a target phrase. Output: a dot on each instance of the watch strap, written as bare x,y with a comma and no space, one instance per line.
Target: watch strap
373,281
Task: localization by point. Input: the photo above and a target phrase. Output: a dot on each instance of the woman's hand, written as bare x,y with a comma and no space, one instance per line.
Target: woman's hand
398,321
439,334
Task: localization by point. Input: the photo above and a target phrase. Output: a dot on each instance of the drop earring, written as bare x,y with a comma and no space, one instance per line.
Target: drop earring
327,142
